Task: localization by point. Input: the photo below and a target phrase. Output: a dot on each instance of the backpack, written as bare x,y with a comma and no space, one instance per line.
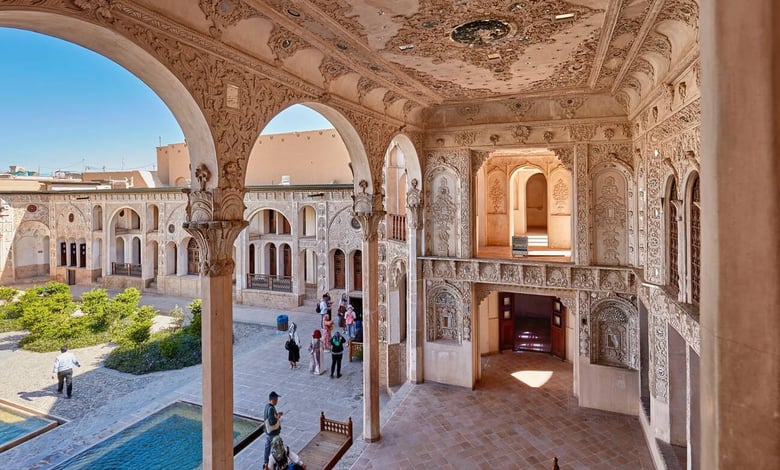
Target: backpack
287,344
279,451
318,309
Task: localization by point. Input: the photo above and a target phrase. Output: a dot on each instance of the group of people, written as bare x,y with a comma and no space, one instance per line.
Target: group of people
330,337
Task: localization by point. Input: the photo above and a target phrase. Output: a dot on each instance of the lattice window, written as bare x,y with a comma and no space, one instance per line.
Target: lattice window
695,241
193,257
674,270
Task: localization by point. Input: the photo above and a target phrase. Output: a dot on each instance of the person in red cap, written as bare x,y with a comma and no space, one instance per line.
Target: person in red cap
272,423
315,353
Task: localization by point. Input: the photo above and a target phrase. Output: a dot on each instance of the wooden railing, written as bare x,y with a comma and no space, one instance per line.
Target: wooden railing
126,269
268,282
396,227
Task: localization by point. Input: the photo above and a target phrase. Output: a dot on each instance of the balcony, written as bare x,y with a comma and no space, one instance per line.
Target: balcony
396,227
269,282
126,269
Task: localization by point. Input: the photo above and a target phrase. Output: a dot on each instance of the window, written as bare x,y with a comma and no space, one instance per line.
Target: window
695,241
671,221
193,257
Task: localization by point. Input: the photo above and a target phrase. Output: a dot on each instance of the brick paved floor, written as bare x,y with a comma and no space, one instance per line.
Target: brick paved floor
506,424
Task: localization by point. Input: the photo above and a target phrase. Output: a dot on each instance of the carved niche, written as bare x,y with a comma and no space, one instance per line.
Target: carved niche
560,181
448,318
615,333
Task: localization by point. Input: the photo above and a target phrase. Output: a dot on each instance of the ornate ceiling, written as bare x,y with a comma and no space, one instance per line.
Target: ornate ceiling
450,51
399,57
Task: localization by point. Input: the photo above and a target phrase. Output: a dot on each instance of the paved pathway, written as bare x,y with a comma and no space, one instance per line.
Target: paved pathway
503,423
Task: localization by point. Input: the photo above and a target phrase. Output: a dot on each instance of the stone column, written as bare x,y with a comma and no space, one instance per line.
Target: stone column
368,211
740,273
416,306
580,237
215,238
242,261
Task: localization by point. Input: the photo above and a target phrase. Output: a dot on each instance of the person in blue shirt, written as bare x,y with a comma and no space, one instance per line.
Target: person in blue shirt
63,368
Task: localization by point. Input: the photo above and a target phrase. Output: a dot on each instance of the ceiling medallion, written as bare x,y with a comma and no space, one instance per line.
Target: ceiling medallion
481,33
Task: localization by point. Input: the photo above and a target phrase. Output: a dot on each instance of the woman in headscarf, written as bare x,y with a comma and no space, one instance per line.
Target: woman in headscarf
315,353
327,328
293,347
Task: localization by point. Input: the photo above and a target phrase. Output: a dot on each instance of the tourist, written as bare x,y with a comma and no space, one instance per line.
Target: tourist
322,307
293,347
315,353
282,458
337,350
63,368
272,423
349,318
327,327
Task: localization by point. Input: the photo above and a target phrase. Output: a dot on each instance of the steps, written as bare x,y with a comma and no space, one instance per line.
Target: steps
539,241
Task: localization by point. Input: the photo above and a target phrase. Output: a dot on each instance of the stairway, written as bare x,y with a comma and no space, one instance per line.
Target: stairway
539,241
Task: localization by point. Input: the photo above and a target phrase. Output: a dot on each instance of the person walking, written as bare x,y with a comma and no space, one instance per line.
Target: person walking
336,352
315,353
63,369
293,347
272,423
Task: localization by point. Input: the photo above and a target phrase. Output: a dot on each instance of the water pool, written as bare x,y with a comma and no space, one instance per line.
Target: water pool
18,425
168,439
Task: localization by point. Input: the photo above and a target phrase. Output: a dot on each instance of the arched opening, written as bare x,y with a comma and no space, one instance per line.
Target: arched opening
171,259
357,271
536,205
307,222
97,218
31,250
271,259
694,235
395,193
193,257
252,258
286,260
339,270
153,218
136,251
119,250
672,240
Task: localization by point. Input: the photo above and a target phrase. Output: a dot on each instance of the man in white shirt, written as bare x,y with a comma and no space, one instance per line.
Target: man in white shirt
63,368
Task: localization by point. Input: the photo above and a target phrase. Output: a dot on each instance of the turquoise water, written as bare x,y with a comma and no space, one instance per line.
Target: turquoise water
15,424
167,439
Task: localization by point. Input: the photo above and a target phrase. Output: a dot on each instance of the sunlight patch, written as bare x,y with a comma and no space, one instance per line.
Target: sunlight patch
533,378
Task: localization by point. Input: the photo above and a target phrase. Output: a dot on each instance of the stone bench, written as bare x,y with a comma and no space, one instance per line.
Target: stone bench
328,446
354,348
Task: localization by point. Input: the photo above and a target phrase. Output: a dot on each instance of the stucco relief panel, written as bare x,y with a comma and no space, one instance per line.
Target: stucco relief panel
610,218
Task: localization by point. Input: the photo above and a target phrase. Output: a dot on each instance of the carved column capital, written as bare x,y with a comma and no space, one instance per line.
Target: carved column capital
215,239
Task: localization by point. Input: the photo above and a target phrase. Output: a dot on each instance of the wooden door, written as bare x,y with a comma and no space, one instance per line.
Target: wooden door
357,262
339,270
558,330
506,323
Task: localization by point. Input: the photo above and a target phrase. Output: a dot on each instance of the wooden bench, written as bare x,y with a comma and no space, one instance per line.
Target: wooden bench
328,446
354,348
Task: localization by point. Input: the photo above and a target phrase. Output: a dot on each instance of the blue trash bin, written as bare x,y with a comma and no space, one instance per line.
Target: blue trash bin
281,322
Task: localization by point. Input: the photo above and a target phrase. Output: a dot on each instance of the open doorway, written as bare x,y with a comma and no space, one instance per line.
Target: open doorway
532,323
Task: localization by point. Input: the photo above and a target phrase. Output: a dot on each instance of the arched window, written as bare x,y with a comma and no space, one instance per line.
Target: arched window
339,272
193,257
357,270
695,237
671,222
286,260
272,259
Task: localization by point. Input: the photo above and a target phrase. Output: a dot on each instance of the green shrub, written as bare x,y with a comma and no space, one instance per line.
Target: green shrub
164,351
7,294
196,307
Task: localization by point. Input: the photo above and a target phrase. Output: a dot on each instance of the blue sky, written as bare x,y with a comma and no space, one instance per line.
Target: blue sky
63,107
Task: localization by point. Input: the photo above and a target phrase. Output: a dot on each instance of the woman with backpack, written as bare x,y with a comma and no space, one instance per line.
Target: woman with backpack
293,347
